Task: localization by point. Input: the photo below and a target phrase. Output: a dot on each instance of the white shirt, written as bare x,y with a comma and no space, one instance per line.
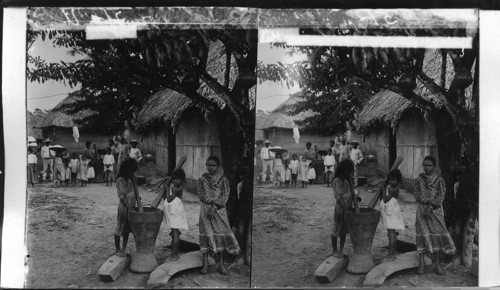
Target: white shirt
45,152
264,153
356,155
294,166
32,158
135,153
108,159
329,160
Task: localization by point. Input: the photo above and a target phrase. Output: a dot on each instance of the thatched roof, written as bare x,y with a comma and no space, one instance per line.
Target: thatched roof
277,119
57,118
32,125
167,105
388,107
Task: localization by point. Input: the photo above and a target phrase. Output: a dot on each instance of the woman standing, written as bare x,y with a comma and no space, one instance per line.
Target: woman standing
432,236
215,232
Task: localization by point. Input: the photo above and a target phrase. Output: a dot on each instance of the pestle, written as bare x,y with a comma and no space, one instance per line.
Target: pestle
355,201
375,198
157,200
137,197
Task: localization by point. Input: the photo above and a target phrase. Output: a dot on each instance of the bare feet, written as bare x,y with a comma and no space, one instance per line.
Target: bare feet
223,270
438,269
172,258
338,254
204,270
389,258
420,270
121,254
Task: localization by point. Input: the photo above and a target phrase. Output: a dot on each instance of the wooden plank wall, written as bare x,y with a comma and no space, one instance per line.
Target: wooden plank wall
147,141
196,139
415,139
376,142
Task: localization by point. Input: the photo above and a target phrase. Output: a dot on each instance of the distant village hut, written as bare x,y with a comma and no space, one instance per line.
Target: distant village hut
278,128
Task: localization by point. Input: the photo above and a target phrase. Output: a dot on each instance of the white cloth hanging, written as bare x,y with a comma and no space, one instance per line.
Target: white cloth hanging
296,134
76,134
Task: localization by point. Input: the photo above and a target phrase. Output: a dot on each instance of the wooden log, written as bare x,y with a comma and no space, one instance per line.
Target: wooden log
113,268
475,267
377,275
330,269
161,275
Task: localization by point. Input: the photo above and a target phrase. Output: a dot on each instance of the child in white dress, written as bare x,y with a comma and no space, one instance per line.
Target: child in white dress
304,170
311,173
175,216
391,211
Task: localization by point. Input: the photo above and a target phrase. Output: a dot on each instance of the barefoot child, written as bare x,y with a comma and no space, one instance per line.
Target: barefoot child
73,164
175,216
278,170
391,211
294,167
108,161
304,170
311,173
126,194
82,170
32,161
342,192
91,172
288,174
67,173
59,172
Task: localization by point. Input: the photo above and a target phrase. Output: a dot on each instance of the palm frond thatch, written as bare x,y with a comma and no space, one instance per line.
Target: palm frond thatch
57,118
33,125
388,107
278,119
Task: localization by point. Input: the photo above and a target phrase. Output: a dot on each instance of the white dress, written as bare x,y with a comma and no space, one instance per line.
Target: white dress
391,214
175,216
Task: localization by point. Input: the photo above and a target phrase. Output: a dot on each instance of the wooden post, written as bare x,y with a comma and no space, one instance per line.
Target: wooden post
355,201
137,197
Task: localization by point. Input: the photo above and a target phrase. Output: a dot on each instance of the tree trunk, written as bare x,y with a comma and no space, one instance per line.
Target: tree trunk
233,156
468,239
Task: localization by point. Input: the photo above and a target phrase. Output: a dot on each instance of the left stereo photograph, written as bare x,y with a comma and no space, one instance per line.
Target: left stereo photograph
140,136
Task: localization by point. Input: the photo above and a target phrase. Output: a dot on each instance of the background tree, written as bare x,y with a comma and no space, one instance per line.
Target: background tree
117,76
336,82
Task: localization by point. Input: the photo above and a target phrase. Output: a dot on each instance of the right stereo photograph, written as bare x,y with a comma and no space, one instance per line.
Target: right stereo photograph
367,149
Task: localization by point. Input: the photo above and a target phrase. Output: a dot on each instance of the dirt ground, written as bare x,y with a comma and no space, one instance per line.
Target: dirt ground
291,238
70,235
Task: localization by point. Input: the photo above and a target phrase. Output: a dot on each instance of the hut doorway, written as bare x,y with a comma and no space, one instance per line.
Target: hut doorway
171,150
392,148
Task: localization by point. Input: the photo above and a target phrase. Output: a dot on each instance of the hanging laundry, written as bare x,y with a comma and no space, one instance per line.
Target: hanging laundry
76,134
296,134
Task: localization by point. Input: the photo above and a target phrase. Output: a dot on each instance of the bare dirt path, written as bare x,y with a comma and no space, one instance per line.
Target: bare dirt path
291,238
70,235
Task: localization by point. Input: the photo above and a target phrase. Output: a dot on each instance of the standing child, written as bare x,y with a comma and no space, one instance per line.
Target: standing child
91,171
288,175
294,167
175,216
32,161
391,211
311,173
73,164
59,171
304,170
108,161
67,176
356,156
126,194
278,170
82,170
329,167
342,193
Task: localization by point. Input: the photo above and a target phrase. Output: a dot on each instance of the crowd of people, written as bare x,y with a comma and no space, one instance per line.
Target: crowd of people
65,168
313,167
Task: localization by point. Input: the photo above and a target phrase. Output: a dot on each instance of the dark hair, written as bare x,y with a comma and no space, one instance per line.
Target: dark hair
74,155
294,155
278,154
127,168
431,159
111,140
178,174
87,143
309,143
215,159
394,174
345,168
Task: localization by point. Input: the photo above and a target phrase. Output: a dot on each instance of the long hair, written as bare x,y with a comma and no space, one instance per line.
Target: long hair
127,168
394,174
345,169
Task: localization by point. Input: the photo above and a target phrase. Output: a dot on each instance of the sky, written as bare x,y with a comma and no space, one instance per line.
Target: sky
47,95
269,94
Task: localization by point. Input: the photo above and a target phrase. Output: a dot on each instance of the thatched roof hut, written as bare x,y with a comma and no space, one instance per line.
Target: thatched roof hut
57,118
277,119
387,107
167,106
33,125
